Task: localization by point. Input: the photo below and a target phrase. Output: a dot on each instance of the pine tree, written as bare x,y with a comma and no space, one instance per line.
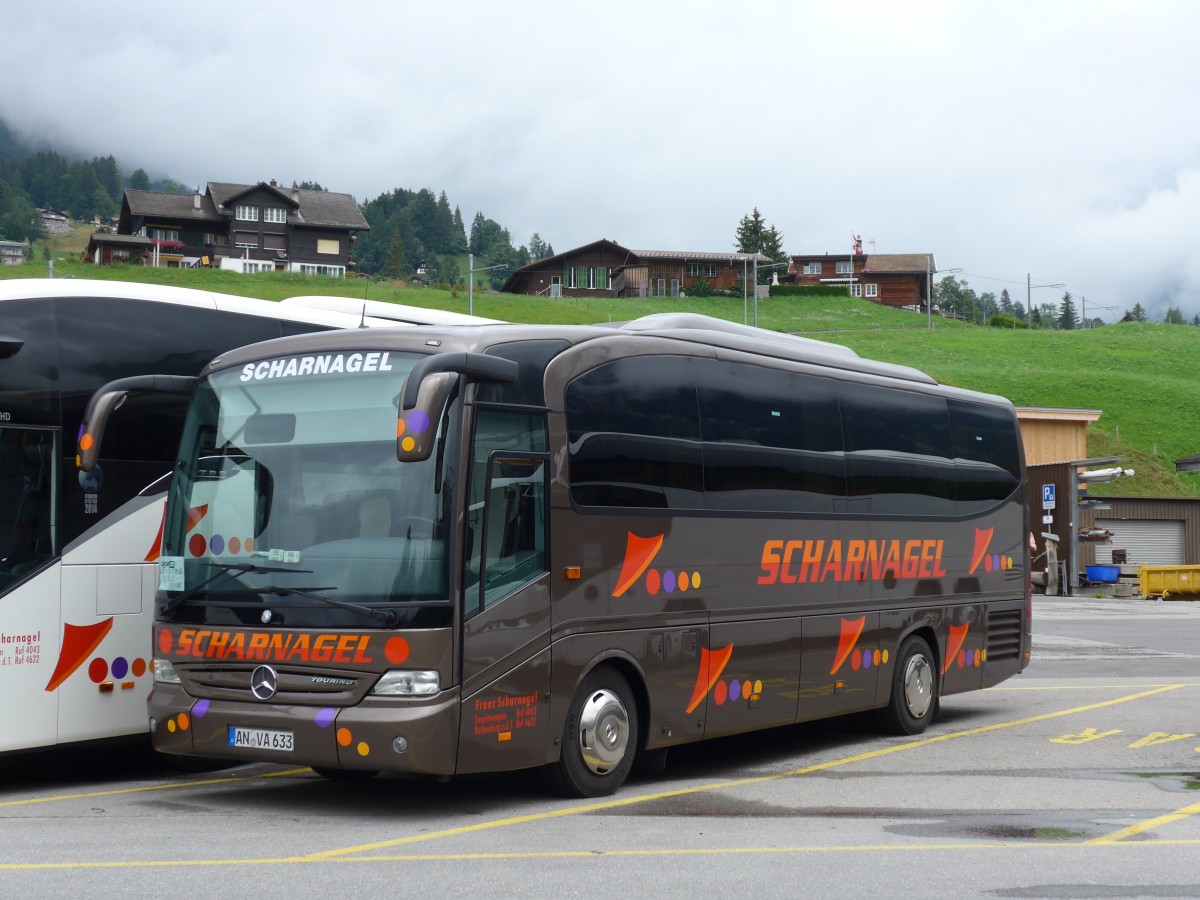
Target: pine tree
749,235
1068,320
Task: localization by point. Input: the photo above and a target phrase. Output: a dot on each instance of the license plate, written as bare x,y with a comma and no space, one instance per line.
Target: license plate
260,739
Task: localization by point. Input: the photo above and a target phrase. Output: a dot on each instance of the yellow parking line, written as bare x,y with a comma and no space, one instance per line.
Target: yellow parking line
352,854
1148,825
734,783
593,854
173,785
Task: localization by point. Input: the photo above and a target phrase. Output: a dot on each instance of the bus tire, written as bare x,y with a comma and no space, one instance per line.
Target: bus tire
600,738
345,775
914,699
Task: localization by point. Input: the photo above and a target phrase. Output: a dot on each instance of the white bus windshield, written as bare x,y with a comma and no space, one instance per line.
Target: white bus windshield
288,505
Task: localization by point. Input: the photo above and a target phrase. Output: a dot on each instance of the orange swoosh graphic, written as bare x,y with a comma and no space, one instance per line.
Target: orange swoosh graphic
639,553
156,547
195,514
78,642
958,634
851,629
982,539
708,675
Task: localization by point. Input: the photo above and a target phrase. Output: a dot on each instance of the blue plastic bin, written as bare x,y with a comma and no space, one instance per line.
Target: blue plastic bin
1103,574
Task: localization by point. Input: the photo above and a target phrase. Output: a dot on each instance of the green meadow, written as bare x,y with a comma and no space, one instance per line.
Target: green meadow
1138,375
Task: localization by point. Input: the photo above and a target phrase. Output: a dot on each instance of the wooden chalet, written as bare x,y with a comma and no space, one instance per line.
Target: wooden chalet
893,279
246,228
606,269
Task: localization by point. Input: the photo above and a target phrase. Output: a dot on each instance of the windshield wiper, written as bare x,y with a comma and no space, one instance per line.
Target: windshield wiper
387,616
225,569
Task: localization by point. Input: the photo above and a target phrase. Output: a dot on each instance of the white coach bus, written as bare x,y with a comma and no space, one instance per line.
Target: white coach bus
78,554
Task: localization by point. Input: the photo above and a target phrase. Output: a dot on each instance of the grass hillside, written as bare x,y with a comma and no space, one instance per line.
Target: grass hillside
1138,375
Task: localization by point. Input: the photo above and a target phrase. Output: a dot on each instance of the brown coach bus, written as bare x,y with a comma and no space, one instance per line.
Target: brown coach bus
478,549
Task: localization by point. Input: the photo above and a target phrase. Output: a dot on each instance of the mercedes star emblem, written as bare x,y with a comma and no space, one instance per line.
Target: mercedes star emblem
263,682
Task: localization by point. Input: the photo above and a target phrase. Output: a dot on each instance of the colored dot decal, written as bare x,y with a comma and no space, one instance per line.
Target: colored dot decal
758,687
653,581
196,545
669,581
363,748
747,689
164,642
885,657
983,655
418,421
399,428
200,709
407,444
683,581
987,563
235,546
86,442
98,670
875,657
120,667
325,717
735,689
866,659
996,564
396,650
138,668
696,579
720,693
216,544
343,737
962,658
171,725
855,661
184,721
248,544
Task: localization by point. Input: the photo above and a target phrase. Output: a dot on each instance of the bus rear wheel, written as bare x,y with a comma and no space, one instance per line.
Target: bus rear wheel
914,699
600,737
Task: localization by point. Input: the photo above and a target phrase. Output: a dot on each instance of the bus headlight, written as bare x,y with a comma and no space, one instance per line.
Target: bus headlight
408,683
164,672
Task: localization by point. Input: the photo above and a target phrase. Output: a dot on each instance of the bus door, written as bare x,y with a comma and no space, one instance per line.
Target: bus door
30,616
505,656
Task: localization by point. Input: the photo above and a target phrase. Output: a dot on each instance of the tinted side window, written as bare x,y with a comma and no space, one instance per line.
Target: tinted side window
987,453
898,451
531,358
101,339
27,378
634,435
772,440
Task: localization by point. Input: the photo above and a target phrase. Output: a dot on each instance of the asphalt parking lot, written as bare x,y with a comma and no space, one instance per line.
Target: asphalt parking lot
1080,778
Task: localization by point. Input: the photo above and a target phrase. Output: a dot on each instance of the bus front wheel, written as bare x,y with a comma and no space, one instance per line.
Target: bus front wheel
914,699
600,738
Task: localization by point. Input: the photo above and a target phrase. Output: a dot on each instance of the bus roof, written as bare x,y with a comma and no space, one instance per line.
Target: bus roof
50,288
687,328
393,313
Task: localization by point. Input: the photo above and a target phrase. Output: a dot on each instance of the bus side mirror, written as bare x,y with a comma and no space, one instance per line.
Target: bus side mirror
108,399
416,428
9,346
424,395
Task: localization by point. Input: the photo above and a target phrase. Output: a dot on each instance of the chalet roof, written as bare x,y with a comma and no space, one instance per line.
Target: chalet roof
125,240
312,208
700,255
160,204
877,263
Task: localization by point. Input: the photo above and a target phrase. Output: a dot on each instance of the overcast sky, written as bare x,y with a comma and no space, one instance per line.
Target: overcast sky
1054,139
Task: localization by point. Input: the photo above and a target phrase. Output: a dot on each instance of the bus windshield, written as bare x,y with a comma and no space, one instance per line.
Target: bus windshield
288,506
